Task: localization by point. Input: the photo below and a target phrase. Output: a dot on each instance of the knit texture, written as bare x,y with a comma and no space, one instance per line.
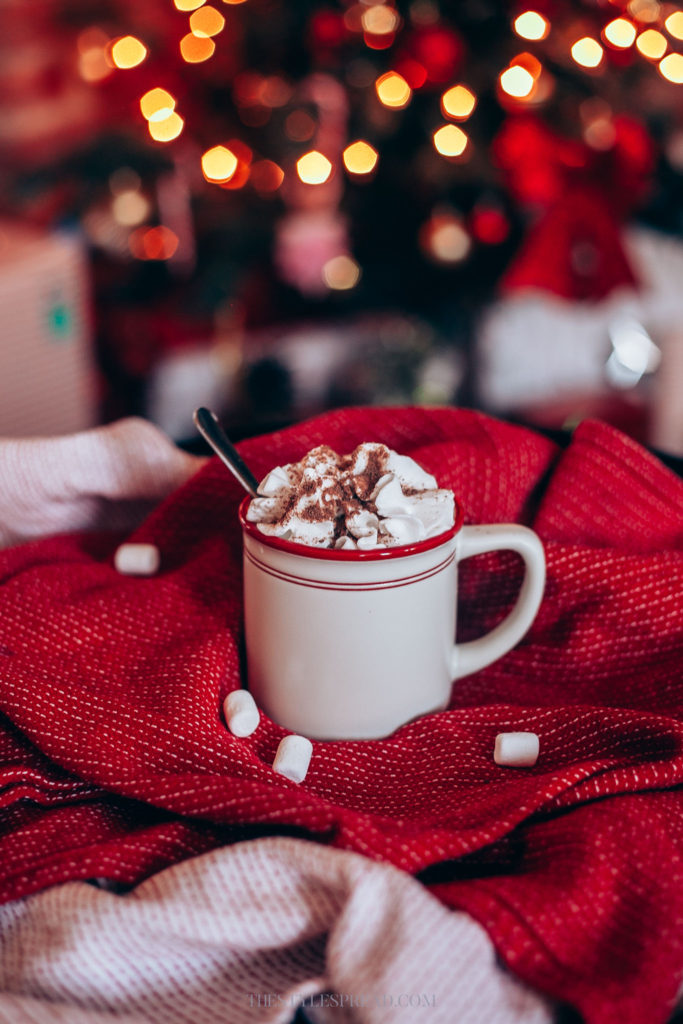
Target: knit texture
112,687
248,933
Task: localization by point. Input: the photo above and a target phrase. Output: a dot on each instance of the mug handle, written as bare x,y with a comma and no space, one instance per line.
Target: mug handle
473,655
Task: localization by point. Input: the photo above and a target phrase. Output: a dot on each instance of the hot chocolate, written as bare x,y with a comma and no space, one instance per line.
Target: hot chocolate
371,498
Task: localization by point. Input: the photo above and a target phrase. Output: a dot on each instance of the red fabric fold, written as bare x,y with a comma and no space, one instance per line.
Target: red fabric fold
115,759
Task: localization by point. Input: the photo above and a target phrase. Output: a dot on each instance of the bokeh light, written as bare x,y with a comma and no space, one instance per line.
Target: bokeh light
531,25
445,239
130,207
671,68
159,243
458,102
207,22
620,33
393,90
517,82
587,52
341,273
449,140
380,20
195,49
313,168
219,164
188,5
168,129
266,176
93,62
360,157
674,24
652,43
157,105
128,52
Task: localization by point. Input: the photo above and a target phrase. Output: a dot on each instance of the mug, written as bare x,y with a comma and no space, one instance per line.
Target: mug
354,644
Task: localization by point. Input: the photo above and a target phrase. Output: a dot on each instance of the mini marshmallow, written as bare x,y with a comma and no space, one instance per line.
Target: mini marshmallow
516,749
293,757
241,714
137,559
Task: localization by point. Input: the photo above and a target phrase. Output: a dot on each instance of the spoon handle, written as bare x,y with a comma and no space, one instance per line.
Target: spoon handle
208,426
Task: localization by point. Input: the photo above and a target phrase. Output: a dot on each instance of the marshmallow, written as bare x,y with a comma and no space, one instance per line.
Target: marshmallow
241,714
137,559
293,757
324,496
516,749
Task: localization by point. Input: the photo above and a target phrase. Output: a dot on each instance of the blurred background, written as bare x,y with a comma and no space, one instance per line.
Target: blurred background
277,208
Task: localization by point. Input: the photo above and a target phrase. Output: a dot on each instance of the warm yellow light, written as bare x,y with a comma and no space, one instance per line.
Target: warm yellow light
448,241
194,49
674,24
219,164
130,208
168,129
393,90
233,2
188,5
157,105
672,68
341,273
517,81
531,25
379,20
207,22
128,52
620,33
450,140
458,102
360,158
587,52
652,43
313,168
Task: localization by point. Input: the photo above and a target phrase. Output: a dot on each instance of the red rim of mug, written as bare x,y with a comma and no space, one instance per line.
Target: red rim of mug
333,554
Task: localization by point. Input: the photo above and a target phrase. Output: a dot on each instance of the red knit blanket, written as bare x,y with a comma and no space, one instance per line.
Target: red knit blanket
115,761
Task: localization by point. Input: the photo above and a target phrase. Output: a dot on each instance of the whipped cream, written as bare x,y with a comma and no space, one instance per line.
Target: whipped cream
372,498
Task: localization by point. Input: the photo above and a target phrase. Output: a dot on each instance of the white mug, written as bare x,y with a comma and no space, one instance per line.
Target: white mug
354,644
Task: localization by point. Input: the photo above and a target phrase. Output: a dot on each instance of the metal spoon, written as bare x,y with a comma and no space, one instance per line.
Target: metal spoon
208,426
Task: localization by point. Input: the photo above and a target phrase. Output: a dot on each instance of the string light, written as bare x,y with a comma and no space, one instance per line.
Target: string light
516,81
458,102
360,157
652,43
450,140
128,52
167,129
207,22
157,105
671,68
195,49
219,164
531,25
393,90
341,273
313,168
587,52
620,33
674,24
